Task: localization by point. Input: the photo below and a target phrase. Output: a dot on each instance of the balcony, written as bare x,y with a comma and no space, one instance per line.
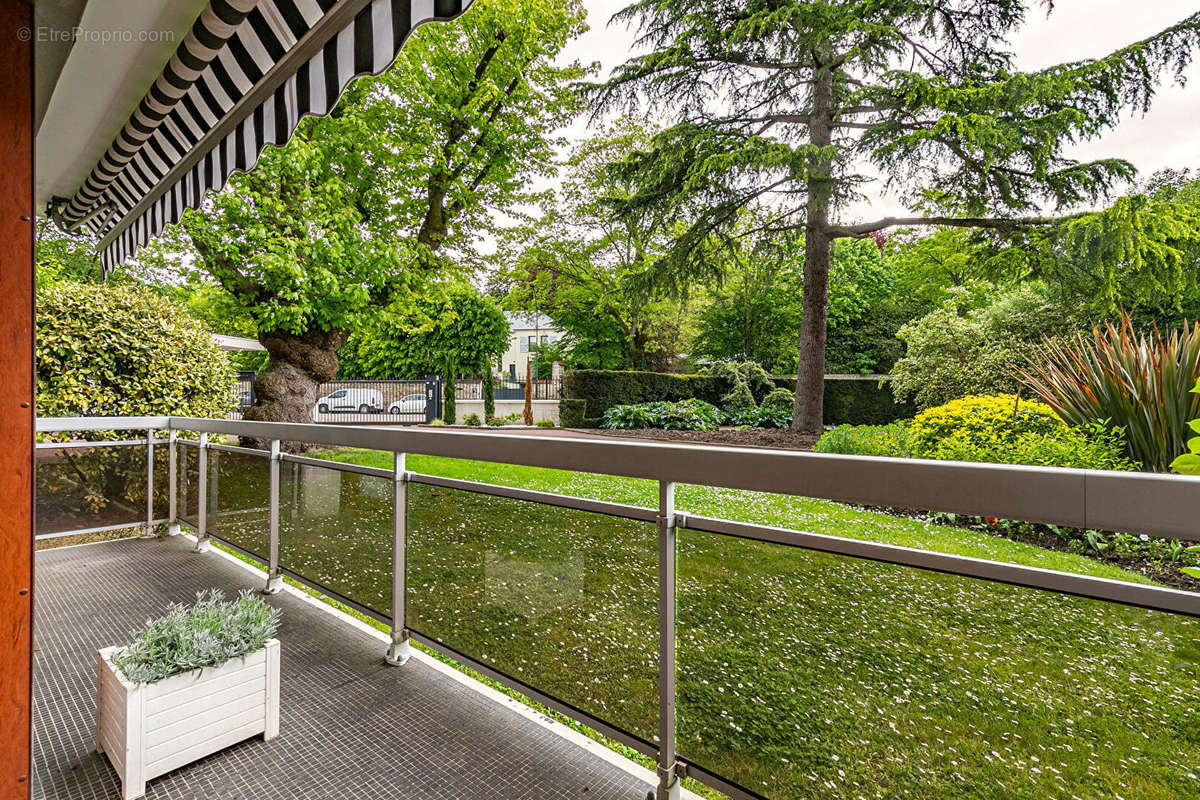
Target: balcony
761,661
354,727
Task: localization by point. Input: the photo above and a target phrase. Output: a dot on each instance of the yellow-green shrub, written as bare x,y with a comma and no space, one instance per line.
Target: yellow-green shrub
1001,429
984,420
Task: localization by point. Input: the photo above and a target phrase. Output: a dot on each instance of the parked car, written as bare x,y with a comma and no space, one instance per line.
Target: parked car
364,401
409,404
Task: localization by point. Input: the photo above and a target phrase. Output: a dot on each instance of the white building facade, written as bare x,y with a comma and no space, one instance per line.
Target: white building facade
526,332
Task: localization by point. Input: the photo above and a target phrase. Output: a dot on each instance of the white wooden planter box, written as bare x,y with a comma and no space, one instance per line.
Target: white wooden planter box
149,729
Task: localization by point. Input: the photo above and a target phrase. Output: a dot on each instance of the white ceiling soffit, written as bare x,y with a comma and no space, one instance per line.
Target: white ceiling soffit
185,115
86,89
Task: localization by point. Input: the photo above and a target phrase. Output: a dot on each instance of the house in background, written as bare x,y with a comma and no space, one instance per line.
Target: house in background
526,332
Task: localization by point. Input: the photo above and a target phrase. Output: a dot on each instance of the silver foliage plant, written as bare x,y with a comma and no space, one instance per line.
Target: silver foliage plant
205,634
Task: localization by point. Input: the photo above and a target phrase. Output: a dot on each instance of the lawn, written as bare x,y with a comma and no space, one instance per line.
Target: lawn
799,674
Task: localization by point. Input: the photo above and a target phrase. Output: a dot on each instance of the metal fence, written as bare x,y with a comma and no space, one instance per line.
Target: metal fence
508,389
504,580
395,402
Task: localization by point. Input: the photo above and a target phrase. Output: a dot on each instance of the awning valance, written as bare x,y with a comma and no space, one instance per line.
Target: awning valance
242,79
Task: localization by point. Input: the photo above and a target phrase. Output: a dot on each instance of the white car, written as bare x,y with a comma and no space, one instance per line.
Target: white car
409,404
364,401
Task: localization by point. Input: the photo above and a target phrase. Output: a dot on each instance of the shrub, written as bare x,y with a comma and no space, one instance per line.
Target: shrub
508,419
1189,462
1138,383
738,400
988,421
472,420
545,423
890,441
957,350
731,375
603,389
762,417
1086,447
570,412
125,351
449,407
206,634
779,399
489,395
846,400
437,423
686,415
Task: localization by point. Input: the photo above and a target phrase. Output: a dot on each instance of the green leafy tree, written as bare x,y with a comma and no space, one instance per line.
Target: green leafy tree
779,102
60,256
364,206
1139,253
756,308
447,332
927,265
591,271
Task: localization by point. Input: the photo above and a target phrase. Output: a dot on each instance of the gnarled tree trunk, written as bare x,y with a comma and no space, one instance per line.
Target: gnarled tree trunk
287,390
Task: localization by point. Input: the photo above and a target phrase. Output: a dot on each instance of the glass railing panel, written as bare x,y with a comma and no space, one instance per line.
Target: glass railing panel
79,488
802,674
239,491
336,530
187,483
162,481
564,601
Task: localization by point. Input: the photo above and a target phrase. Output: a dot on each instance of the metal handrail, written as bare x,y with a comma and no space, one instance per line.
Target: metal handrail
1050,495
1164,505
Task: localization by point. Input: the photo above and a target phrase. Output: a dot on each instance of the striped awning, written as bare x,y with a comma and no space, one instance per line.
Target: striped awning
242,79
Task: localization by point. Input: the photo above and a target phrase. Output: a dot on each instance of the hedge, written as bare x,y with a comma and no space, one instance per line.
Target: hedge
848,400
571,413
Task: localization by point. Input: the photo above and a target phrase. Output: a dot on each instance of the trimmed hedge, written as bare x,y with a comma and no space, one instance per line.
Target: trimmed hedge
847,400
570,412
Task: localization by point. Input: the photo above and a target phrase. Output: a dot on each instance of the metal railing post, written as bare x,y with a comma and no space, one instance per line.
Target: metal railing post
399,650
202,543
668,780
274,579
149,484
172,480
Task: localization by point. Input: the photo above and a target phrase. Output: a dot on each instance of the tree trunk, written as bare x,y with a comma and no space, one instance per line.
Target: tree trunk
287,390
808,407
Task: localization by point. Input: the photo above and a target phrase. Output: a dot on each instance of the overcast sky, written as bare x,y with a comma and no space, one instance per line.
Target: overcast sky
1169,136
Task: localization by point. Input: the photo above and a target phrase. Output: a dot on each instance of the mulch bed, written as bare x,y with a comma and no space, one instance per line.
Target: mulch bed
759,437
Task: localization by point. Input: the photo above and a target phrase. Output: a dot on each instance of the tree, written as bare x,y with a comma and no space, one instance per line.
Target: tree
449,331
362,207
756,309
778,103
1139,253
60,256
591,271
928,264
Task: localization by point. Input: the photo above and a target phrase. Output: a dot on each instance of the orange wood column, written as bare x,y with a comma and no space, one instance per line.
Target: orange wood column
16,396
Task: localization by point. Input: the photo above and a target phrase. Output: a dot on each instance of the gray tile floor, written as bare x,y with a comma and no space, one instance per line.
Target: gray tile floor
351,727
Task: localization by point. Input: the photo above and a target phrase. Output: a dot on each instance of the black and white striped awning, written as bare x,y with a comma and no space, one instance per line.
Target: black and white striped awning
242,79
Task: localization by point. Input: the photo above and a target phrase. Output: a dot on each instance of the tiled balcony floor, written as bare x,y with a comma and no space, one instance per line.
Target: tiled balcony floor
351,726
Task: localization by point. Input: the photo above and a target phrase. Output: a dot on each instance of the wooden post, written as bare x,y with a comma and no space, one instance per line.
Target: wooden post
16,395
